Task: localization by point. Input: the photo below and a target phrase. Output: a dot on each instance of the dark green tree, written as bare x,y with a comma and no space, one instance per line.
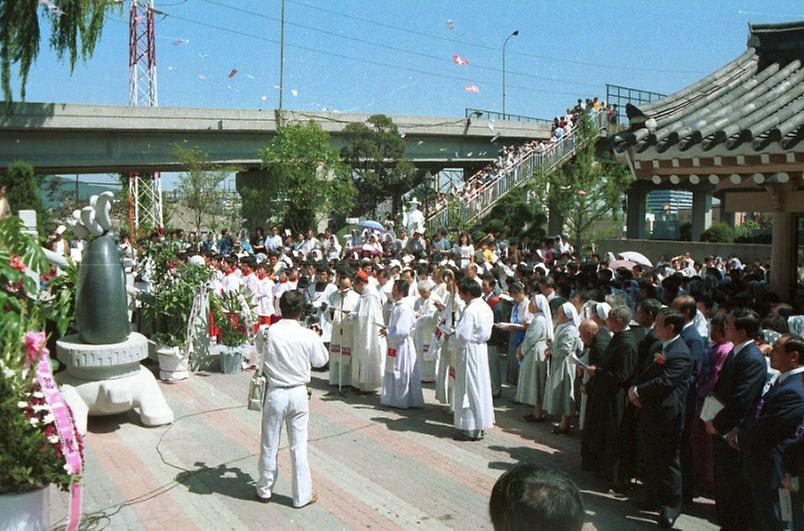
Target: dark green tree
75,27
586,190
308,177
516,215
376,155
22,187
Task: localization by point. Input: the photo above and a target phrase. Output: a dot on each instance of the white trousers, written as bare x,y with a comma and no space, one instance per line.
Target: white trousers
285,405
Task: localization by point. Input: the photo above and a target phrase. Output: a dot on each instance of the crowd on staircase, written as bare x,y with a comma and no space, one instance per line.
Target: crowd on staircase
508,156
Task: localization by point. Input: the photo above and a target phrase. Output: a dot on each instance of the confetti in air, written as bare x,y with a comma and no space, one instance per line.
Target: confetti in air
233,73
202,77
450,24
264,98
474,89
294,92
179,42
459,60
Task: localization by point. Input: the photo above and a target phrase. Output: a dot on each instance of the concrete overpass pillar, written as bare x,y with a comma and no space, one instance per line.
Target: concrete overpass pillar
635,216
701,213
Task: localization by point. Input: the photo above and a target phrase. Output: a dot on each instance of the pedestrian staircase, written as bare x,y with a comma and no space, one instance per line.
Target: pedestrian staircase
458,210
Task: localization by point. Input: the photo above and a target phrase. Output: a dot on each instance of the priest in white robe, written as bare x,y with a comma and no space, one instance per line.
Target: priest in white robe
402,386
472,400
451,312
427,315
342,304
368,347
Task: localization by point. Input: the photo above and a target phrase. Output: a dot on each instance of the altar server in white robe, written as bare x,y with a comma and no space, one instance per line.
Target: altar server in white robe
472,400
427,318
264,296
402,386
368,347
532,351
559,397
231,280
318,294
451,312
342,304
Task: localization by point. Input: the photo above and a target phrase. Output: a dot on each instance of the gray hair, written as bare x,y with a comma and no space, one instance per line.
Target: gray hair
622,314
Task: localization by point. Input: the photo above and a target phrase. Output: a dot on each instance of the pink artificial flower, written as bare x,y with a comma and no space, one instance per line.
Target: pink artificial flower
34,344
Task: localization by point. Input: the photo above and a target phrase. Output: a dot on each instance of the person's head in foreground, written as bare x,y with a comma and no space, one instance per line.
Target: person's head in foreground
530,497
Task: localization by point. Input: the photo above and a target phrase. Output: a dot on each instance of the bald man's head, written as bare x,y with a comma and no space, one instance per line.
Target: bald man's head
588,330
686,305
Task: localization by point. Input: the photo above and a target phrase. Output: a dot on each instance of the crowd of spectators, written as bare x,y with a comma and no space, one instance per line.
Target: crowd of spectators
626,352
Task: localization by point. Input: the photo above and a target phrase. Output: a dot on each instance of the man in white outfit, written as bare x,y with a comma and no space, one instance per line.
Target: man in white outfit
472,401
290,350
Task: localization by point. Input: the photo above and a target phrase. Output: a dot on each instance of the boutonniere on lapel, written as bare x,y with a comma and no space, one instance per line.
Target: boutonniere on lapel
659,358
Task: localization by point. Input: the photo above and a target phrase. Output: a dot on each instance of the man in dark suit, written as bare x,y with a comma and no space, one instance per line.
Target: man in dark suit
738,388
661,393
611,376
646,312
763,437
690,335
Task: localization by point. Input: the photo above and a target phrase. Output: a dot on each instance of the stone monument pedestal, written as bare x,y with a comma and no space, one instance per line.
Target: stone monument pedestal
108,379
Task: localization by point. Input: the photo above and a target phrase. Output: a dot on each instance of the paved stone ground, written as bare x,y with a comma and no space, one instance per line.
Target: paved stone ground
373,467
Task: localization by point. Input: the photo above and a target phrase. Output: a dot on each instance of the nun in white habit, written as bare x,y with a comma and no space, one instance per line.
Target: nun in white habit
560,393
530,387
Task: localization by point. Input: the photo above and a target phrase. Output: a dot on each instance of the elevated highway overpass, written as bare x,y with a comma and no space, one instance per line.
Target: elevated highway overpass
72,138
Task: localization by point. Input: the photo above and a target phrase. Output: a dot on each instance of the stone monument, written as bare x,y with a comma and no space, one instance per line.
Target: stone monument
103,374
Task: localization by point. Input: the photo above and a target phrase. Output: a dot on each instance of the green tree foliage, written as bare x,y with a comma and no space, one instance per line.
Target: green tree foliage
75,27
199,187
718,232
586,190
22,187
308,176
376,155
517,216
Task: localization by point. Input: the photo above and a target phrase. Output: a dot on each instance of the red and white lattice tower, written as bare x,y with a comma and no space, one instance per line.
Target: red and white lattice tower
145,189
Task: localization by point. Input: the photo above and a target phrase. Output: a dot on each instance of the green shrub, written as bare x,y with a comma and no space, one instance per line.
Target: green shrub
718,232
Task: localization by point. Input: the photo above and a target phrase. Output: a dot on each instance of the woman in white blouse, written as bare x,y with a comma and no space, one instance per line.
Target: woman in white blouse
464,250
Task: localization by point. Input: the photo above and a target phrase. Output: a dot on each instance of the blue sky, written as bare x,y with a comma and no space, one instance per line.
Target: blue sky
565,50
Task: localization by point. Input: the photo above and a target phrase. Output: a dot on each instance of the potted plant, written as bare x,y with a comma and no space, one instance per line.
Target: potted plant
174,304
33,441
235,313
232,347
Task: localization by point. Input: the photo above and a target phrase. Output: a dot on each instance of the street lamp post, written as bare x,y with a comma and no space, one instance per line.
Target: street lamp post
282,56
514,34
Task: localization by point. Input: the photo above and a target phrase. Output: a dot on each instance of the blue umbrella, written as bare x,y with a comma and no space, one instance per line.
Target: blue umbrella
372,225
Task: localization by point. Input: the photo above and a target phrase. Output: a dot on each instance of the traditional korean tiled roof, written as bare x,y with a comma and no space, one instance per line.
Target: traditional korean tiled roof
757,99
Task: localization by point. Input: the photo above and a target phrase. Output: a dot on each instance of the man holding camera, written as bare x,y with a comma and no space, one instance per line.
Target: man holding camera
290,351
